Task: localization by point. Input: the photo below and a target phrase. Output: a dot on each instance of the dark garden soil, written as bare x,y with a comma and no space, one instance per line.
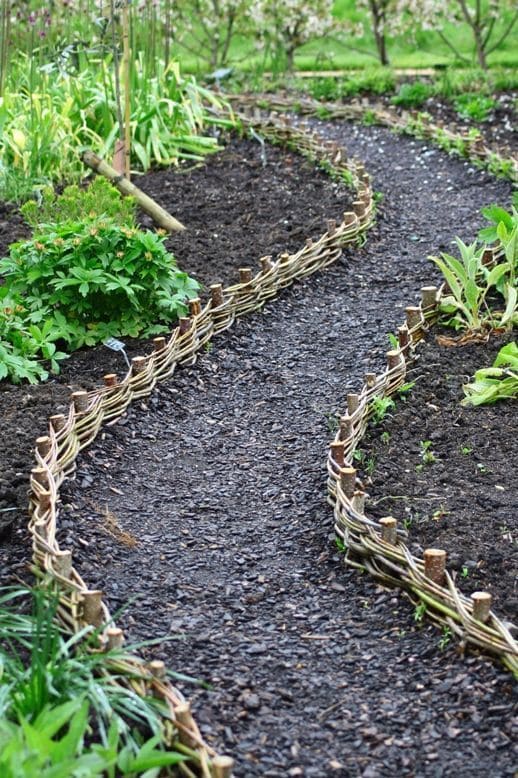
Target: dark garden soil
443,469
205,506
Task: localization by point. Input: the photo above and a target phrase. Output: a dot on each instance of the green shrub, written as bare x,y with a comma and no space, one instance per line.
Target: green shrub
81,280
97,278
325,88
412,95
377,81
474,107
75,204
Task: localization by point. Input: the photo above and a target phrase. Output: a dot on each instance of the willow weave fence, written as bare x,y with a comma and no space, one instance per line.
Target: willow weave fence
413,123
378,546
57,452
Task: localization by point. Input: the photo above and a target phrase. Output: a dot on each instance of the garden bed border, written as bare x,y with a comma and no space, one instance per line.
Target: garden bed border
378,545
415,123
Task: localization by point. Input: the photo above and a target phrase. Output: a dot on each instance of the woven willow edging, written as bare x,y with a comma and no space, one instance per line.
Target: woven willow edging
57,452
378,546
408,122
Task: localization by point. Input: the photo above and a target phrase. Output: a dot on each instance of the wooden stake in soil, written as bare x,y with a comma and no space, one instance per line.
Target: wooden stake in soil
429,296
389,530
110,379
157,213
353,402
481,605
159,343
115,638
413,316
222,767
185,720
435,564
80,400
358,501
216,291
62,563
57,422
348,481
92,607
338,452
43,445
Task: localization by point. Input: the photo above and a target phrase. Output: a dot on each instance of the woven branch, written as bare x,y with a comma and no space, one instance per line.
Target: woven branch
366,540
409,122
56,453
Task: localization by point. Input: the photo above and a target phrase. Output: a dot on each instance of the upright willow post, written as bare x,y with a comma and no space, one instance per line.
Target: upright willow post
127,96
5,31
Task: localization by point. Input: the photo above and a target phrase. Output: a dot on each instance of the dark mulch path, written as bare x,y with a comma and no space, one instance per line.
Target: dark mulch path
206,504
462,500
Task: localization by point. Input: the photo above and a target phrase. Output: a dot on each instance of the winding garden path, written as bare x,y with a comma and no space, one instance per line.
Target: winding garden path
314,670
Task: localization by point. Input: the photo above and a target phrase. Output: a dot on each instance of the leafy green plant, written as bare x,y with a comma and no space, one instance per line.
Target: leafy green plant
445,638
385,437
499,382
103,278
369,117
324,88
78,282
405,389
379,407
469,281
419,612
99,199
474,106
412,95
427,455
56,690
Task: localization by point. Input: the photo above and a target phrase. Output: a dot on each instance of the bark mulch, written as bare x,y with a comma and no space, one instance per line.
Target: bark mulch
204,507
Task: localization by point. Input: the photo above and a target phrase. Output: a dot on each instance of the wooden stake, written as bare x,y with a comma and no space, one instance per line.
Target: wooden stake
217,295
331,227
159,343
370,379
57,422
266,264
393,359
338,452
413,316
389,530
348,481
185,325
481,605
62,563
358,501
403,337
346,427
245,275
435,564
157,668
110,379
195,306
157,213
222,767
184,718
138,365
43,445
41,476
353,402
92,607
80,400
429,296
115,638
